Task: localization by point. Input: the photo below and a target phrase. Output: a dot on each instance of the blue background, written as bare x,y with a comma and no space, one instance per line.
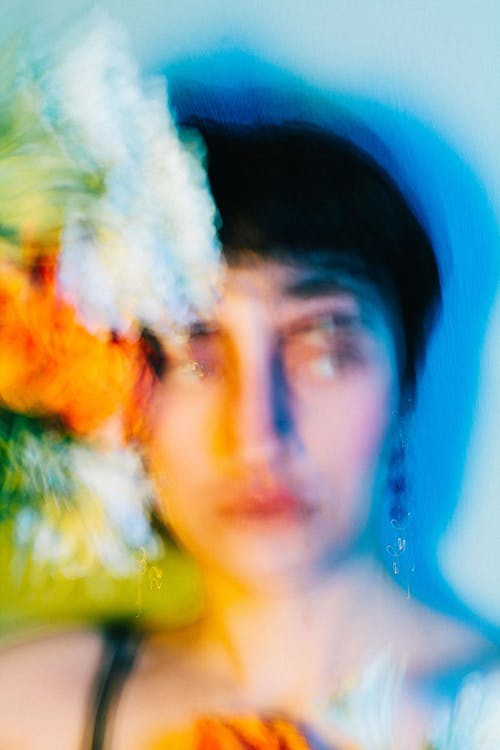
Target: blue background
425,76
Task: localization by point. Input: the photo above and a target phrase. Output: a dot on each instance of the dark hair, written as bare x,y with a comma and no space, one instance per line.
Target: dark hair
296,193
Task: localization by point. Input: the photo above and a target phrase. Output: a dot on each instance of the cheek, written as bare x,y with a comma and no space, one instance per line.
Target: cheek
344,436
171,420
165,443
366,421
344,429
178,448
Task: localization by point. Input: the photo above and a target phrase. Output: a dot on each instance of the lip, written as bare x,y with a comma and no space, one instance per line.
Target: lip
277,506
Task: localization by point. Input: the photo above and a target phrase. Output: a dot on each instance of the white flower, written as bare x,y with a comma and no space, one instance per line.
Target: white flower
144,249
473,723
90,158
363,710
106,522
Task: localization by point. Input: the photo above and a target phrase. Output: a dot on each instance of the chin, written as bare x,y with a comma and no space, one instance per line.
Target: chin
270,551
279,565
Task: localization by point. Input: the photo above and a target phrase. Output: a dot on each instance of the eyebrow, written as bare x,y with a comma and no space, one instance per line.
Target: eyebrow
202,328
318,283
341,321
322,283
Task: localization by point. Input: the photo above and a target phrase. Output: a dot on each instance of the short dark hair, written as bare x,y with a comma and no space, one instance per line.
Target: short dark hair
297,193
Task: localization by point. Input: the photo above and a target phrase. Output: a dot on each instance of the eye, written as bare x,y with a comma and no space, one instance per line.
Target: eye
189,370
203,358
323,349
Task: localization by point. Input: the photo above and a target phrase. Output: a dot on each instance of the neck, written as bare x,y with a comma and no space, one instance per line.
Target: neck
293,628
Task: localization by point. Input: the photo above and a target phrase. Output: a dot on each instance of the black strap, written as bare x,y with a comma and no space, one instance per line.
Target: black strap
120,648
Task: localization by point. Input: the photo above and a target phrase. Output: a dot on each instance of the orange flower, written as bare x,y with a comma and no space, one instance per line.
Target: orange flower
242,733
51,364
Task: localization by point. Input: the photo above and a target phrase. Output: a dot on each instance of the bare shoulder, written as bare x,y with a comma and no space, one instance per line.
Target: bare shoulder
434,642
175,679
45,682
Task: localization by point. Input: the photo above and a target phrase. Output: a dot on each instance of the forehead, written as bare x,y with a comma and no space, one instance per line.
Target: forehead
283,289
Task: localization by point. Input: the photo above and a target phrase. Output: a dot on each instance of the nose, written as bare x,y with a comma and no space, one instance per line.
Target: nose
263,421
258,422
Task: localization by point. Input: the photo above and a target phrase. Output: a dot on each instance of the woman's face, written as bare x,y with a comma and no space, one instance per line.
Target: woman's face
268,432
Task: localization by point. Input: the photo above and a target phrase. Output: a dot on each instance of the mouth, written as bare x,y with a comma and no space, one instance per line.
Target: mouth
277,506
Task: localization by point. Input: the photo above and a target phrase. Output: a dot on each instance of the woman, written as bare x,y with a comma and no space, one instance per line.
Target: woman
274,429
